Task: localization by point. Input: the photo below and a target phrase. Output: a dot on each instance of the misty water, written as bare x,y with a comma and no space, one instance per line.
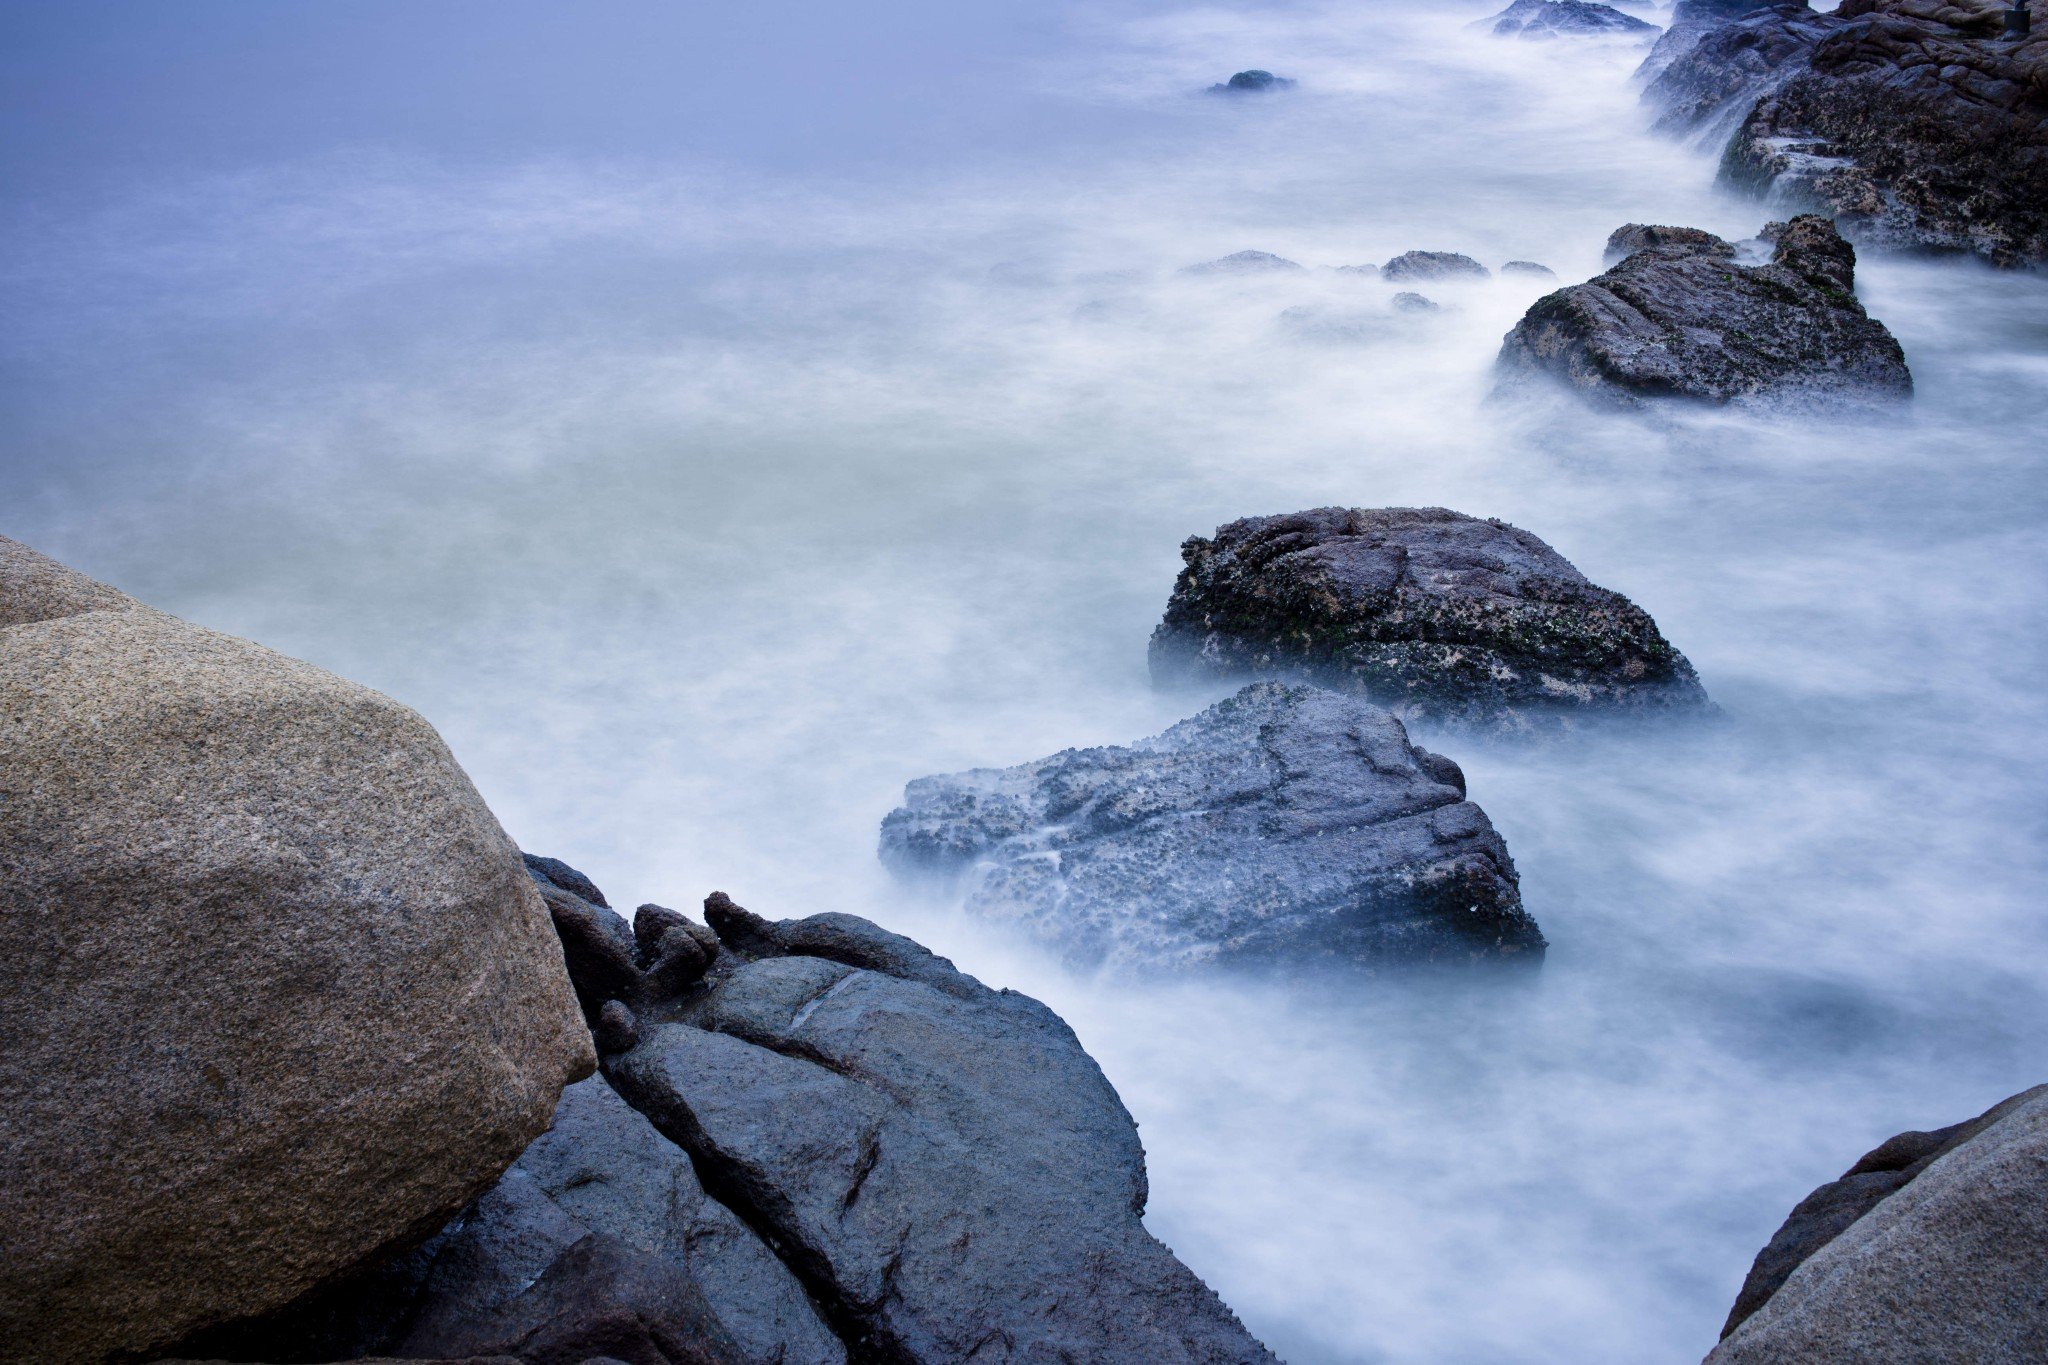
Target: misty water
702,501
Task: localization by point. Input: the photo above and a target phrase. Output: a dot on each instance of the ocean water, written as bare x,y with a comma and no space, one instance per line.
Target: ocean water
707,474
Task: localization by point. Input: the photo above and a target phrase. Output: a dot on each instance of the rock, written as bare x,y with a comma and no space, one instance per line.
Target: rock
1914,129
1712,85
1244,263
1933,1247
1441,616
1287,825
1689,322
1408,302
1529,269
942,1166
280,997
1558,18
1370,272
1433,265
1252,83
1629,238
1692,20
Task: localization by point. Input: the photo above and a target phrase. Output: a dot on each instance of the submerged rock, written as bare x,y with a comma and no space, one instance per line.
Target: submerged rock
1433,265
1252,82
1244,263
1440,616
280,997
1686,321
1561,18
1933,1247
1286,825
1529,269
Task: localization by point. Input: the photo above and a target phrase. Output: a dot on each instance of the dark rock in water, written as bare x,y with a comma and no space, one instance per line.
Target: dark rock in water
1689,322
1529,269
1692,20
1407,302
1286,825
1933,1247
1438,615
1914,128
1244,263
1433,265
1369,271
1252,83
1629,238
941,1164
1711,86
1560,18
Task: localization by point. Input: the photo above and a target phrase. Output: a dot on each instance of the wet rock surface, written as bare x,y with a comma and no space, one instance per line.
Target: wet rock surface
1688,321
1912,122
1565,18
251,882
1285,825
1443,617
1934,1246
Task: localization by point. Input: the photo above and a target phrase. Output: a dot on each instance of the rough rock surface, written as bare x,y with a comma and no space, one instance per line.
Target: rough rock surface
1244,263
946,1171
1433,265
1689,322
1915,129
1287,825
1692,20
1910,121
1933,1247
1629,238
1441,616
280,996
1562,18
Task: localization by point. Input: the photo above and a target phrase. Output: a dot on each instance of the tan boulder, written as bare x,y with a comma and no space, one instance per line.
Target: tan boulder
279,994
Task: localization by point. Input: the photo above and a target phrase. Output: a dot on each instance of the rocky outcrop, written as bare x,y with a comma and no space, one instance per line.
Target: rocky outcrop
940,1164
1286,825
1440,616
280,997
1253,82
1692,20
1688,321
1565,18
1433,265
1910,121
1933,1247
1915,129
1629,238
1245,263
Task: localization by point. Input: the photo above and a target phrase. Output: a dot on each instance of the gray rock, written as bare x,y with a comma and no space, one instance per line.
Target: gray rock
1252,83
1408,301
1245,263
1287,825
1689,322
1433,265
1565,18
1440,616
1629,238
1710,87
280,997
1530,269
1692,20
942,1165
1933,1247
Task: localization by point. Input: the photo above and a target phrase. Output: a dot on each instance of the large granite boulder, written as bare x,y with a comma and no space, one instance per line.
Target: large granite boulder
943,1168
1688,321
1442,617
1566,18
280,997
1915,128
1286,825
1933,1247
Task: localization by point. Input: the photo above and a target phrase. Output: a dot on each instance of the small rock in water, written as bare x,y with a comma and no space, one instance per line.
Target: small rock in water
1288,825
1244,263
1629,238
1433,265
1441,616
1252,82
1407,302
1686,321
1529,269
1369,271
1556,18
